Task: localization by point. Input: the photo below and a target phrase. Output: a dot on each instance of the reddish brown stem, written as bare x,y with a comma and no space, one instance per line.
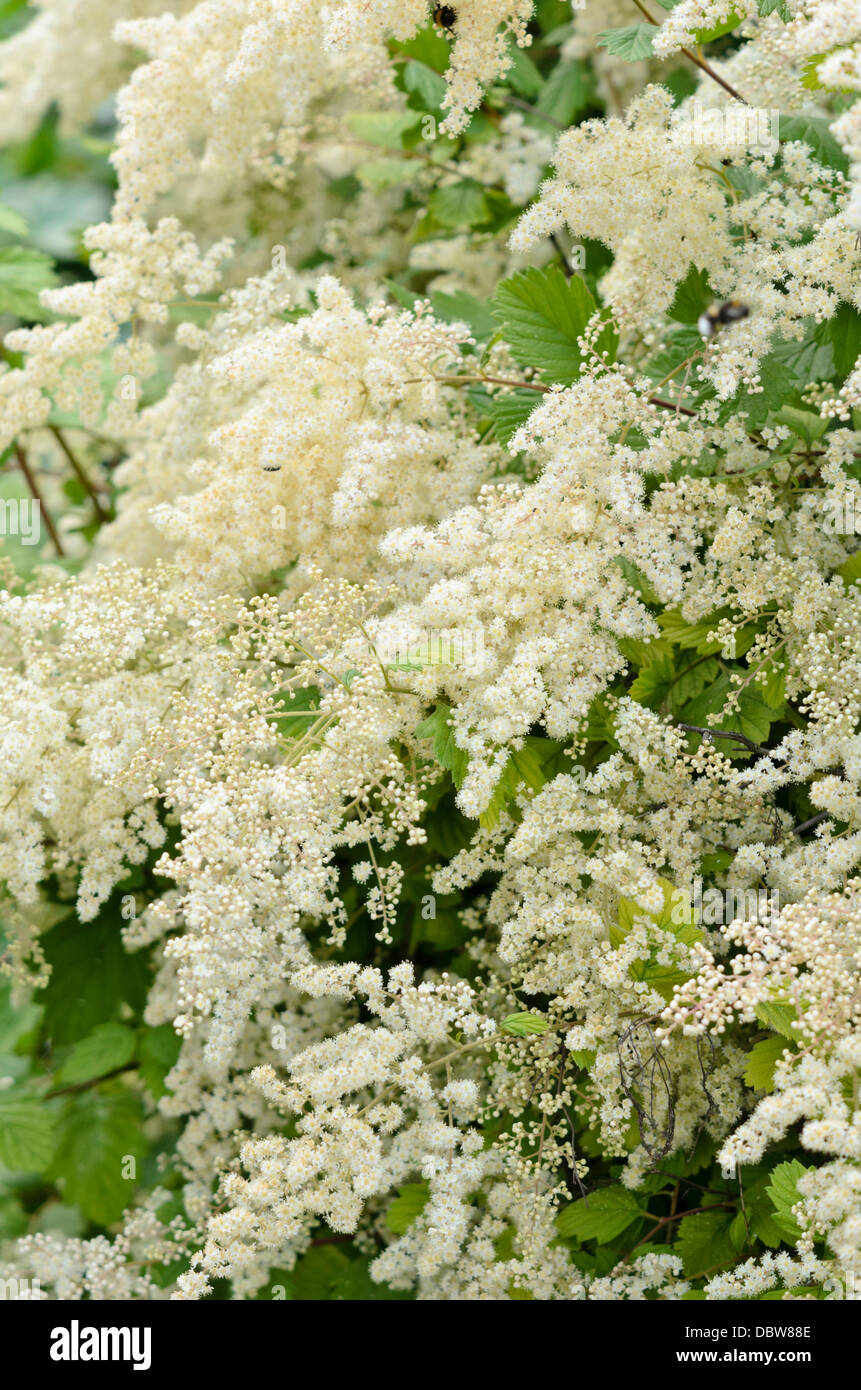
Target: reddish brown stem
24,465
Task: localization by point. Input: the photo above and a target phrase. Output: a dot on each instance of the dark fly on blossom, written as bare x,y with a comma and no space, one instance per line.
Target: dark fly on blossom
717,315
444,17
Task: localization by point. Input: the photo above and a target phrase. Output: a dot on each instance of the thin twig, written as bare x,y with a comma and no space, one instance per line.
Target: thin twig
34,489
723,733
696,60
671,405
94,1081
808,824
81,476
679,1216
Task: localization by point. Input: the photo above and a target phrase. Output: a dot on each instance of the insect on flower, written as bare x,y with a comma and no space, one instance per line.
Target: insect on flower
444,17
717,315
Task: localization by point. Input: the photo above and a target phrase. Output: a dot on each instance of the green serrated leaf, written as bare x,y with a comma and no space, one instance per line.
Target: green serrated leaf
409,1204
461,307
92,976
753,718
843,333
704,1242
508,412
568,91
738,1231
425,86
384,173
632,43
438,727
675,921
690,636
693,295
779,7
521,1025
773,688
761,1062
429,46
850,570
542,315
525,767
602,1216
717,31
778,1017
636,580
24,273
804,423
159,1050
815,133
461,204
783,1191
27,1133
97,1135
523,76
387,129
110,1045
653,683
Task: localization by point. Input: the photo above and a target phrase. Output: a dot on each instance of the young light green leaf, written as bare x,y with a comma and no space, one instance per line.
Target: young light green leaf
850,570
12,221
24,273
521,1025
778,1017
384,173
633,43
389,129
